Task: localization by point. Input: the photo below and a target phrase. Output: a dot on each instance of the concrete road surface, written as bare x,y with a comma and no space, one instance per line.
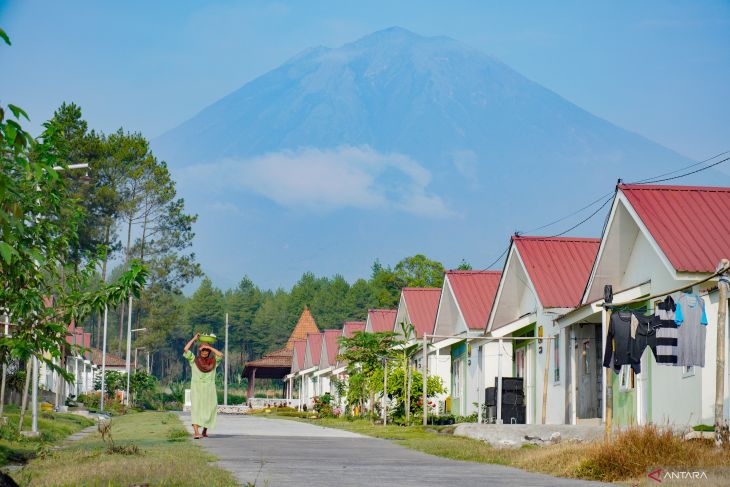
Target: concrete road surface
281,453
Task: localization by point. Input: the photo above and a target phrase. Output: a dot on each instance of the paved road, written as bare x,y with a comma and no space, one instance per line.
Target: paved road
281,453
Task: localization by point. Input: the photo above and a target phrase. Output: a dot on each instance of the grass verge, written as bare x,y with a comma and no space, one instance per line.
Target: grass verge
52,427
627,458
164,455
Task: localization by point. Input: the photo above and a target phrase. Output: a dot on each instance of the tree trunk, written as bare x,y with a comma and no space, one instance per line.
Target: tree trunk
24,400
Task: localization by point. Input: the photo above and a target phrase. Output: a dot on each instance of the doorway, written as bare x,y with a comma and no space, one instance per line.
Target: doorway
588,350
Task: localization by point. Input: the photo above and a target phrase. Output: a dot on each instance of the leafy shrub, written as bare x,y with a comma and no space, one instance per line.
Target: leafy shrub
9,431
323,404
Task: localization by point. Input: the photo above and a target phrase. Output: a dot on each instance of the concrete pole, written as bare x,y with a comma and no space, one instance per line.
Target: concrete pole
34,421
609,383
129,351
546,378
225,367
300,393
499,384
424,399
722,287
385,391
103,361
148,361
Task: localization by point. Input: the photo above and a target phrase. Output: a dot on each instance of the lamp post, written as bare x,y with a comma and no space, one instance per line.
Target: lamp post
225,369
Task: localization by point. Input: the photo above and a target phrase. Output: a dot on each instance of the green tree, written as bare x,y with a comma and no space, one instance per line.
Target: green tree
464,266
364,353
420,271
205,309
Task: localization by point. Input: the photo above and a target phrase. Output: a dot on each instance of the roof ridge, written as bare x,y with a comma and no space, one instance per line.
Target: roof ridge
661,187
558,239
463,271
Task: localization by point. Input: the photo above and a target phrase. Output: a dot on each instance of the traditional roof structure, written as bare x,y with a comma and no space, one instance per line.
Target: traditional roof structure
304,326
558,267
688,223
278,364
380,320
112,361
474,292
330,348
419,307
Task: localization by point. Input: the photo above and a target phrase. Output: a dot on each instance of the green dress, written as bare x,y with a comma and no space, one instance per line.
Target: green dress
203,396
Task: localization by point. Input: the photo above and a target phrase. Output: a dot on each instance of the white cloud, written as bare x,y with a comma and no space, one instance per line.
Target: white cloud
324,180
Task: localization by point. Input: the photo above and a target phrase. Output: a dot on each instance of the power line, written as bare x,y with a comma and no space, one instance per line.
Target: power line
651,179
585,219
609,196
688,173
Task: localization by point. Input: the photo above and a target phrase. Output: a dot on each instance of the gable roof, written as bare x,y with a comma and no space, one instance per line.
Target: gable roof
381,319
300,347
348,330
474,292
422,305
330,348
111,359
314,348
305,325
350,327
688,223
558,267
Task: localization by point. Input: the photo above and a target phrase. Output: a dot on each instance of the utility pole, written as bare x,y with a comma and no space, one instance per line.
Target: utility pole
129,350
225,369
722,286
103,361
34,398
385,390
424,377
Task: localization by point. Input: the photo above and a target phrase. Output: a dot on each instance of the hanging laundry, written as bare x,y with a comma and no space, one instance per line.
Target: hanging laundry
619,344
645,337
666,332
691,329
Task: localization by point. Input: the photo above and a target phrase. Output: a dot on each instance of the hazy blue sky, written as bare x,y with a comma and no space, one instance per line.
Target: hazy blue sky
659,68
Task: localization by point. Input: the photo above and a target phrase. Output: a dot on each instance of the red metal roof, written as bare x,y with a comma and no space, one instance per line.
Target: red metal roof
559,267
299,349
689,223
330,344
474,292
382,319
422,304
350,327
314,341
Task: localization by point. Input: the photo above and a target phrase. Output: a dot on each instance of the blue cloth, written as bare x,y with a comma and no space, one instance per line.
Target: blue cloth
679,315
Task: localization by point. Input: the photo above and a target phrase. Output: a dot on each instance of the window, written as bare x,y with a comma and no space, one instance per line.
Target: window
556,359
627,378
688,371
457,377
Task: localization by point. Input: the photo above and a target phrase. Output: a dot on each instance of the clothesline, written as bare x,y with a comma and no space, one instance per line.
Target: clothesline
720,272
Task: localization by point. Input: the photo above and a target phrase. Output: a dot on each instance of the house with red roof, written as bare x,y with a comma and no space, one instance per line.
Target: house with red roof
657,238
339,372
297,365
543,278
327,361
417,307
380,320
464,306
312,350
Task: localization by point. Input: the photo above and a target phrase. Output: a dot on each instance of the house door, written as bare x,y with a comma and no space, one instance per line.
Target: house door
589,376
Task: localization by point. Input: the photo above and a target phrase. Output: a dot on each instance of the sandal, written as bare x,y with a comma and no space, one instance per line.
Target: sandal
196,437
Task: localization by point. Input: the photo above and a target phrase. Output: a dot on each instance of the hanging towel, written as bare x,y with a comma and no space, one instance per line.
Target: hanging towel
691,329
666,332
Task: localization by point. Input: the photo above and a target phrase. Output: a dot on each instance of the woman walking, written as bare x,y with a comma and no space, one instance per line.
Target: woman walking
203,395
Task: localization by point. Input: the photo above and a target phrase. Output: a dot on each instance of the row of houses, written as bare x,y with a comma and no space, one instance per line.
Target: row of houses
542,317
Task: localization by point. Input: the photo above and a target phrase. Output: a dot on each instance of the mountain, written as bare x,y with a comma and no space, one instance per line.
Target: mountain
392,144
